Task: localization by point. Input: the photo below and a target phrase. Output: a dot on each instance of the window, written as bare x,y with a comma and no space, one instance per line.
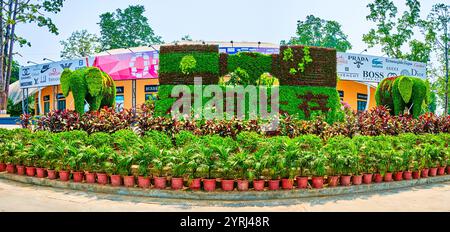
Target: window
341,95
46,104
120,90
119,102
362,102
61,101
151,92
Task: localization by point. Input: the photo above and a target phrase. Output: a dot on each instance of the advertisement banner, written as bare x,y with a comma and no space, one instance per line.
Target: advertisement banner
129,66
234,50
47,74
365,68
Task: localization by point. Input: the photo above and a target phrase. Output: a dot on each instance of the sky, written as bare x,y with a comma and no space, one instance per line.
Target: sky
209,20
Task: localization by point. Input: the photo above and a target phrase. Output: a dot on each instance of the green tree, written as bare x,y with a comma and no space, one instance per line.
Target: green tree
315,31
80,44
438,23
186,38
126,28
393,32
13,13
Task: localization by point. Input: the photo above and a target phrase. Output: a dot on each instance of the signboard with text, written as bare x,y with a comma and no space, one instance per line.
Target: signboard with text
47,74
365,68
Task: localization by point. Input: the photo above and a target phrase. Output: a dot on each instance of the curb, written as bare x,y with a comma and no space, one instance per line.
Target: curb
224,196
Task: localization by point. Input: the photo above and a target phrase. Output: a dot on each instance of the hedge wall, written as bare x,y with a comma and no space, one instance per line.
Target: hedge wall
207,64
321,72
303,102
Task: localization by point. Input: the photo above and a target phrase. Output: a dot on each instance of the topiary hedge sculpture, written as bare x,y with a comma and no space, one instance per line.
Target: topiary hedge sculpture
402,92
90,84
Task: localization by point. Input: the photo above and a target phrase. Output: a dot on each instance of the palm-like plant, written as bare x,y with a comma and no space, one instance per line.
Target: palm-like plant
259,165
241,163
178,163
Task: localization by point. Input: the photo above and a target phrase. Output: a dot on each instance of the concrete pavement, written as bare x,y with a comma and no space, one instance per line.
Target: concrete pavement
17,197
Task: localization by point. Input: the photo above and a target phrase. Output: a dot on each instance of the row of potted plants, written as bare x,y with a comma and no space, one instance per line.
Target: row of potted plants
252,161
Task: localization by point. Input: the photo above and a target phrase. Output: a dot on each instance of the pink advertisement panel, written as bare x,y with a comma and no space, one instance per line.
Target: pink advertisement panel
129,66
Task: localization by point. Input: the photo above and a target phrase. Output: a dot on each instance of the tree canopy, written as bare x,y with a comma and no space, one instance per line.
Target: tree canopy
126,28
315,31
80,44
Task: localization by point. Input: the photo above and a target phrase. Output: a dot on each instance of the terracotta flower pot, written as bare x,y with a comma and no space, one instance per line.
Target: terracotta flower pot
31,171
116,180
274,185
196,184
407,175
20,170
128,181
441,171
398,176
287,184
433,172
78,177
242,185
258,185
377,178
160,182
40,172
102,178
333,181
209,184
415,175
227,185
317,182
302,182
10,168
367,178
346,180
51,174
388,177
177,183
90,178
64,175
424,172
2,167
143,182
357,180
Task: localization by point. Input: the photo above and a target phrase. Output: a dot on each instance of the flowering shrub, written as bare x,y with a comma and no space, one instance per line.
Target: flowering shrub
374,122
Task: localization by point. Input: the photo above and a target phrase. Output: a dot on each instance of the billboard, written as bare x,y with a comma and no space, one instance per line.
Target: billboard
365,68
129,66
235,50
47,74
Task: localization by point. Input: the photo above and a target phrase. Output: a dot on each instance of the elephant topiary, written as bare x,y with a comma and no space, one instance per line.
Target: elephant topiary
90,84
402,92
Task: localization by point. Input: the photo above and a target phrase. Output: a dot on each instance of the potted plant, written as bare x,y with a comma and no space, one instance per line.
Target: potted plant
434,156
318,169
39,151
177,165
111,168
241,163
194,160
407,163
143,159
397,165
29,160
303,161
11,152
102,163
228,174
386,165
209,164
76,162
275,167
289,165
159,163
425,160
90,163
259,163
124,169
369,161
442,159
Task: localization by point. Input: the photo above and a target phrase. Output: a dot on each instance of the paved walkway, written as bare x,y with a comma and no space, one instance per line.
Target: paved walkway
23,197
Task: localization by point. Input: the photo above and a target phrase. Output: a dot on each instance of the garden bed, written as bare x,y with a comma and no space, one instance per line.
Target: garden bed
225,196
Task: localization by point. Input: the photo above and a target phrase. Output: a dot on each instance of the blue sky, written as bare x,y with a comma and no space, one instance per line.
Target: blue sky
238,20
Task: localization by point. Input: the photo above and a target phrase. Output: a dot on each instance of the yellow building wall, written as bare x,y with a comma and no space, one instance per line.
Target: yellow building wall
351,90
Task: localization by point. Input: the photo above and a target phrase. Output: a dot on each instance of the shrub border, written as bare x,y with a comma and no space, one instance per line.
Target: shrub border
225,196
